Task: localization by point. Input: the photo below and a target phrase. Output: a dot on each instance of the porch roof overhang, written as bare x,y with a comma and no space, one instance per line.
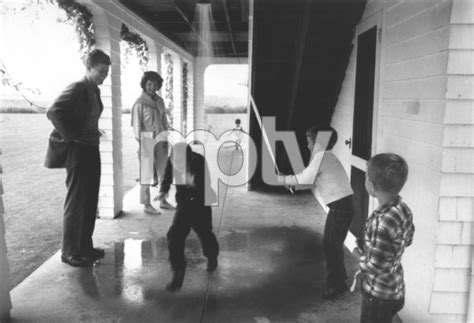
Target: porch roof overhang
175,20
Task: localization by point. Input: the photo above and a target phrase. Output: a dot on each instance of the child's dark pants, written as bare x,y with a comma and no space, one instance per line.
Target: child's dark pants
199,218
335,231
375,310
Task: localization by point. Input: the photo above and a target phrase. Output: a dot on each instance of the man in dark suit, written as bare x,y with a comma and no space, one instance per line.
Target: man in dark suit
74,145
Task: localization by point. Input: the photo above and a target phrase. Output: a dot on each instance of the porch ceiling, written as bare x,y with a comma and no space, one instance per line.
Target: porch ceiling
175,19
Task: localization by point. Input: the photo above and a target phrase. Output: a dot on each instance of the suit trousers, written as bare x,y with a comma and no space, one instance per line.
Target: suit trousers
199,218
80,206
335,231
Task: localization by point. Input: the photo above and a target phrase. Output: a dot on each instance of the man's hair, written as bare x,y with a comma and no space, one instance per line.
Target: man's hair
237,121
313,133
151,76
96,57
388,172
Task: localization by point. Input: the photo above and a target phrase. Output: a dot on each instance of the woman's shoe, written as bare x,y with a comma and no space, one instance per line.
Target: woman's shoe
151,210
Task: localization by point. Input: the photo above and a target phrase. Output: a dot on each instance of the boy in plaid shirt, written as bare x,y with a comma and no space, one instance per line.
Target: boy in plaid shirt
388,231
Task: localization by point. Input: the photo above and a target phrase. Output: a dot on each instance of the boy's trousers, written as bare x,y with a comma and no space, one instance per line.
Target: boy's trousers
335,231
199,218
375,310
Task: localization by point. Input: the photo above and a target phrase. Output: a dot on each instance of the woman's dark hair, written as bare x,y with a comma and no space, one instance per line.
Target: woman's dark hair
151,76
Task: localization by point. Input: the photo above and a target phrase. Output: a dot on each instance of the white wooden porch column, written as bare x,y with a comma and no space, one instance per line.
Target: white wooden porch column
155,51
107,35
200,66
191,105
177,93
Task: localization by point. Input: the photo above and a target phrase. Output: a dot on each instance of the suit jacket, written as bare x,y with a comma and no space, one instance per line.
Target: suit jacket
68,114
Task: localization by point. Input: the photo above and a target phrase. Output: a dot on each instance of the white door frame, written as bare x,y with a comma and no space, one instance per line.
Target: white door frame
367,23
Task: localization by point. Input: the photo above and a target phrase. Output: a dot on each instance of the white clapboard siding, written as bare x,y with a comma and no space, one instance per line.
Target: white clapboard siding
457,190
426,114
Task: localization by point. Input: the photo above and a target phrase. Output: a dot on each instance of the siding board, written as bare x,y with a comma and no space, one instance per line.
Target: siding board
452,280
413,131
460,87
457,160
459,112
432,19
457,185
426,88
463,12
465,209
449,303
461,62
429,43
426,66
461,136
461,37
400,14
432,111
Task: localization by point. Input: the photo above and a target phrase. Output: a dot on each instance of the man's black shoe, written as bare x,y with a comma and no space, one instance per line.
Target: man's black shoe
211,264
74,261
177,282
333,292
94,254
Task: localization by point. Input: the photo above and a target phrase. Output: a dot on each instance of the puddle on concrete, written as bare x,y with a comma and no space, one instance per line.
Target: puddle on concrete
259,269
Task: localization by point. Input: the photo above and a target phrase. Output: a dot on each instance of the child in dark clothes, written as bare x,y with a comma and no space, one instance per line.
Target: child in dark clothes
189,172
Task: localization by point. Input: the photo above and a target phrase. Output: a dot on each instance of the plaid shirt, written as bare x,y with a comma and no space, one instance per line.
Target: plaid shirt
388,231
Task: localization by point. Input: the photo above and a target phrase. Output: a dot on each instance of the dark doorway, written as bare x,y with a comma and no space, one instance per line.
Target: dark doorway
363,123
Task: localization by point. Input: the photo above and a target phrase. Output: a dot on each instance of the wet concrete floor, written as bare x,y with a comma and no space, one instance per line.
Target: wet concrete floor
271,269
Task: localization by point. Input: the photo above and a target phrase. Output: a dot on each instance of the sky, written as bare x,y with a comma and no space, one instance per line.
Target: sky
226,80
40,53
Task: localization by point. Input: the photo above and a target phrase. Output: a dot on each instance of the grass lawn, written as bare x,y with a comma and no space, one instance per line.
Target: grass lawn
34,195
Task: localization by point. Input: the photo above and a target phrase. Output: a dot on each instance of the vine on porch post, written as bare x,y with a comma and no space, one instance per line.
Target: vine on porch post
169,87
135,46
185,97
82,19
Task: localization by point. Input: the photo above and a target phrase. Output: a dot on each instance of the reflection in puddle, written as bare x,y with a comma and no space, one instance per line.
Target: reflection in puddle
132,264
248,260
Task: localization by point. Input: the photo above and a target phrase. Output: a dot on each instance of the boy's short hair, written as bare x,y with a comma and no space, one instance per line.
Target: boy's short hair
151,76
237,121
313,132
96,57
388,172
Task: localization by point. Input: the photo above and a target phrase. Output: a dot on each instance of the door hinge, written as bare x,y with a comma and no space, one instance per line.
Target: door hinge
379,34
